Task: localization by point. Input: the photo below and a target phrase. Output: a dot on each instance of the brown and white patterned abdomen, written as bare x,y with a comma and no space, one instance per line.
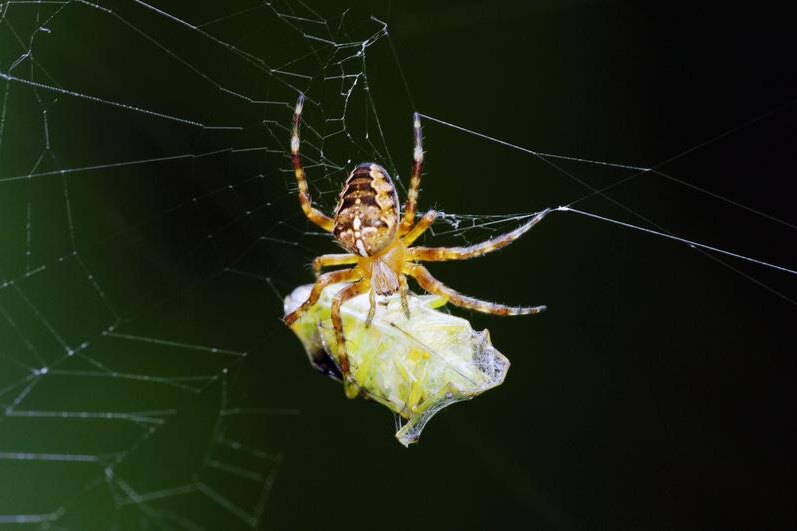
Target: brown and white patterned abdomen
367,215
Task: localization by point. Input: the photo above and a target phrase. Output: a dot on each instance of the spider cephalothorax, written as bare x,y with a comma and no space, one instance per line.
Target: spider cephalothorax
369,225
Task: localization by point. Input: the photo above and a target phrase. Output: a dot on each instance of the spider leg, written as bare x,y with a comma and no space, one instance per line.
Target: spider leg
442,254
330,260
371,308
432,285
422,226
415,177
337,323
344,275
312,213
404,290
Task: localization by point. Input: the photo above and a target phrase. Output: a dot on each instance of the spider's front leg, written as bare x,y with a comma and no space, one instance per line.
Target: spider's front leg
345,275
432,285
331,260
345,294
404,290
371,307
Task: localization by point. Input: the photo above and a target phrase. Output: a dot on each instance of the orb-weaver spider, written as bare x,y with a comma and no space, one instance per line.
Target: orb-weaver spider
368,224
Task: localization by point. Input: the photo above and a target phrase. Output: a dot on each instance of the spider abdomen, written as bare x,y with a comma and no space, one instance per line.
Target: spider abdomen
367,215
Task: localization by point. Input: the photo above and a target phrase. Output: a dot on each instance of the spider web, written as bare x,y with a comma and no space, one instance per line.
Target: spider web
151,229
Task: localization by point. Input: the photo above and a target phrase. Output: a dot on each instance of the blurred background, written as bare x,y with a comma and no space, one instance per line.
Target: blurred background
149,229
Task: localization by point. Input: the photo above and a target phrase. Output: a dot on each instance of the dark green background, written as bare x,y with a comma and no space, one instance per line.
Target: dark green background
656,392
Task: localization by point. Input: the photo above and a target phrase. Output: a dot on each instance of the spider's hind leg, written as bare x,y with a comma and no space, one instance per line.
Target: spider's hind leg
415,177
312,213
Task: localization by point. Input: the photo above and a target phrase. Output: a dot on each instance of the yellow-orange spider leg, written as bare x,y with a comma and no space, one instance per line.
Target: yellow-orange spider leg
415,177
404,290
422,226
371,307
337,323
432,285
312,213
345,275
331,260
442,254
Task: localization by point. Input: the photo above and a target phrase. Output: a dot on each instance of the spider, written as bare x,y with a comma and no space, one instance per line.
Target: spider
369,225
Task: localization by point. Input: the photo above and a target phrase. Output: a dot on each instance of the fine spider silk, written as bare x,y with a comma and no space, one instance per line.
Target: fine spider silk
369,225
